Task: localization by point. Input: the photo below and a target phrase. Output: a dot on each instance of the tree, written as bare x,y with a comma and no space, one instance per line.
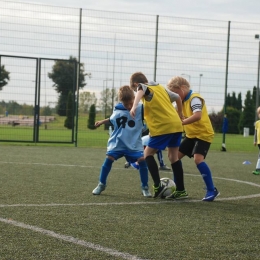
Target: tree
248,115
233,116
239,102
106,101
92,117
64,77
85,100
4,77
69,112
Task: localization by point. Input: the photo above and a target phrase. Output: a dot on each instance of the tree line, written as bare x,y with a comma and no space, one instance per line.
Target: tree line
64,75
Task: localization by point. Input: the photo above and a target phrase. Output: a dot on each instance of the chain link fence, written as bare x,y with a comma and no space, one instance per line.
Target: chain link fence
217,57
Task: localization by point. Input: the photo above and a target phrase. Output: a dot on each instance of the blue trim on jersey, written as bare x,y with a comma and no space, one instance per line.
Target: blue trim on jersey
160,142
120,106
188,96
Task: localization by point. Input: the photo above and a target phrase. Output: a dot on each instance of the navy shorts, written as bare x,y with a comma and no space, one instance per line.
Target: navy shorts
191,146
131,156
160,142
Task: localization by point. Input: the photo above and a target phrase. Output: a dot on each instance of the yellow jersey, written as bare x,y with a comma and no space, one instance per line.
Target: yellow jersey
159,113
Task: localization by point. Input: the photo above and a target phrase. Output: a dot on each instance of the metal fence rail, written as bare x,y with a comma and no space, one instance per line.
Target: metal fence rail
114,45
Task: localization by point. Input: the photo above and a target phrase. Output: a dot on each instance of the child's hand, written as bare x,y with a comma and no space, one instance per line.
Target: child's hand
132,113
98,123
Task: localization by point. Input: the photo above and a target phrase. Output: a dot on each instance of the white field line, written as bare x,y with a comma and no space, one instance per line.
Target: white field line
73,240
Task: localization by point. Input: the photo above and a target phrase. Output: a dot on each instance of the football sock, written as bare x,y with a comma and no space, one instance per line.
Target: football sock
160,157
178,175
206,175
143,173
105,169
153,169
258,165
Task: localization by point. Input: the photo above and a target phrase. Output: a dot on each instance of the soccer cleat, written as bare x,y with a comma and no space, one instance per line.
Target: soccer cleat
158,191
135,165
178,195
256,172
164,168
146,192
211,195
101,187
127,165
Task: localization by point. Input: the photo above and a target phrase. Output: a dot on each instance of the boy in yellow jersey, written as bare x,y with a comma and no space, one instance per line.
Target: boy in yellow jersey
257,142
198,129
165,128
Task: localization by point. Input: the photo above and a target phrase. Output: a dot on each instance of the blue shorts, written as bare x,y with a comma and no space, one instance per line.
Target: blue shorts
129,155
160,142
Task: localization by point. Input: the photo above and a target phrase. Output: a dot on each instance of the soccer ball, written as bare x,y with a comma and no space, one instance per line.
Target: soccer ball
170,184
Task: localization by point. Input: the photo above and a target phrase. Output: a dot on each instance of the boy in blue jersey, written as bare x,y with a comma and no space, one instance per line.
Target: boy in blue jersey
165,127
162,167
199,132
125,140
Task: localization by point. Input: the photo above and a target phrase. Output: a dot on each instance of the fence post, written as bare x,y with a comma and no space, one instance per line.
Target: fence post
77,80
226,83
156,47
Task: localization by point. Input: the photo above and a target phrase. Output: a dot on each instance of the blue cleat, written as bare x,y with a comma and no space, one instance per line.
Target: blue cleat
211,195
135,166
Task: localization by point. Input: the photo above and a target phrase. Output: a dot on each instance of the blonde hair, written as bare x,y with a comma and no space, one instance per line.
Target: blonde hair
125,94
177,82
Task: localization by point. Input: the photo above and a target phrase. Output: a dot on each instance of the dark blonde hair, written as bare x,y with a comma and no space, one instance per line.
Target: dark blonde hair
177,82
125,94
137,77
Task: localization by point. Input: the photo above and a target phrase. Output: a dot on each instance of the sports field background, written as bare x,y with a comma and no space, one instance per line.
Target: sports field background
47,210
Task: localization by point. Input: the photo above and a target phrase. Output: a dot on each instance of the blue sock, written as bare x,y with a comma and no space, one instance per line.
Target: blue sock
206,175
143,170
105,169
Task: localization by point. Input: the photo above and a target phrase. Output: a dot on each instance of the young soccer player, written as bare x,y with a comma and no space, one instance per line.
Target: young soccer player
198,129
257,142
162,167
165,128
125,140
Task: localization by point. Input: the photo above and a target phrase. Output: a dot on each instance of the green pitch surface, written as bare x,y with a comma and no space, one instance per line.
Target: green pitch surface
47,210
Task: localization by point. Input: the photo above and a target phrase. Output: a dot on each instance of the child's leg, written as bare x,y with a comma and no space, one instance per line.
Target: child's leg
258,161
206,175
153,169
143,173
105,169
160,157
178,175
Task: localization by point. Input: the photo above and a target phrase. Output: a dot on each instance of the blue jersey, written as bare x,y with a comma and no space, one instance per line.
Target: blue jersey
127,131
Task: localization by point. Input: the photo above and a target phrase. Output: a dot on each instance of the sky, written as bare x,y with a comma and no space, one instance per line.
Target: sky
209,37
223,10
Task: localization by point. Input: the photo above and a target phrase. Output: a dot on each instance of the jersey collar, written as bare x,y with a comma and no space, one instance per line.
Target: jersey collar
188,96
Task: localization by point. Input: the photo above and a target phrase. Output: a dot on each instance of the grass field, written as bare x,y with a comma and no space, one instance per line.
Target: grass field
56,132
47,210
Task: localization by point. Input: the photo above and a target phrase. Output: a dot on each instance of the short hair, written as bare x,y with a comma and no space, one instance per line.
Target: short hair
137,77
125,94
177,82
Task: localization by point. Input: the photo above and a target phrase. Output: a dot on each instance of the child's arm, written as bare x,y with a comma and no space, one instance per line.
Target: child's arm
179,107
174,97
139,95
101,122
195,117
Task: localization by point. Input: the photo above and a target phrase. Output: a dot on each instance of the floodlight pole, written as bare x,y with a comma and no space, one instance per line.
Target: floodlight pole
188,76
